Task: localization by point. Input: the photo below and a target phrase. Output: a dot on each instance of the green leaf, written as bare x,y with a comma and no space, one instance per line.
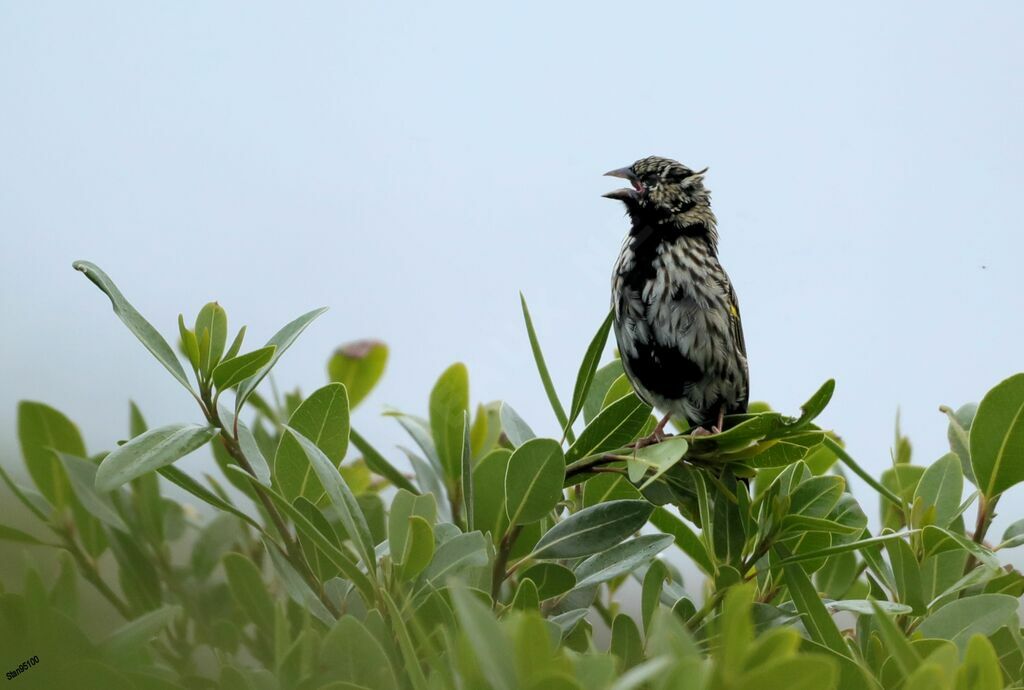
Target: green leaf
958,435
588,368
1013,536
456,554
626,642
189,343
236,345
235,370
620,559
941,486
908,575
486,638
608,487
297,588
152,450
526,597
281,340
659,457
899,648
545,377
817,496
997,438
841,548
820,626
517,431
959,620
405,505
135,322
419,548
602,381
867,606
351,653
16,535
466,473
593,529
379,464
685,538
212,331
179,478
805,672
409,655
247,443
41,431
533,480
341,497
449,403
613,428
135,634
552,580
326,543
82,474
359,365
816,404
323,418
249,591
980,670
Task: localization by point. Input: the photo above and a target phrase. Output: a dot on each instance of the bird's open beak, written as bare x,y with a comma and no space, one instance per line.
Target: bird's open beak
626,193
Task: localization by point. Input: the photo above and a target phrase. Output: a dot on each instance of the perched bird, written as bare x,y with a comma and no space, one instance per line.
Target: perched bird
677,321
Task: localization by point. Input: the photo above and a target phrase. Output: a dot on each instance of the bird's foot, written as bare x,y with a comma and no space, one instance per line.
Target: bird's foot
701,431
655,437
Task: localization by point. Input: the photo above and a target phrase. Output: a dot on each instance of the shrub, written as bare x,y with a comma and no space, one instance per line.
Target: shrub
491,565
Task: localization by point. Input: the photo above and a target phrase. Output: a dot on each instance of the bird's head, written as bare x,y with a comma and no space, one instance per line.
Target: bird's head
663,190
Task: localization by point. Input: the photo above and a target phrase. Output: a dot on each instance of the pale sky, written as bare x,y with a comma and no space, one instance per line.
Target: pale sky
414,165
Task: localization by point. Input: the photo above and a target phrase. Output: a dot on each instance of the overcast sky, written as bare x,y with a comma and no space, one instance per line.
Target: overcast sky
414,165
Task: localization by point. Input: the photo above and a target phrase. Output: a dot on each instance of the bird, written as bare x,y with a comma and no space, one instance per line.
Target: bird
676,316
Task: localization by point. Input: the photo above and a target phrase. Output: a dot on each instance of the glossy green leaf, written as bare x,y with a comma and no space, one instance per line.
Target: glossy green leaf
942,486
816,496
341,498
249,590
419,548
613,428
626,642
296,587
350,652
405,505
179,478
545,377
959,620
620,559
958,434
449,404
533,480
517,431
588,368
248,444
486,638
685,538
455,555
802,673
659,458
378,464
412,662
980,670
212,331
236,345
466,476
135,322
820,626
602,381
997,438
41,431
235,370
281,341
593,529
526,597
908,575
359,366
82,474
135,634
189,343
608,487
1013,536
151,451
551,579
323,418
325,542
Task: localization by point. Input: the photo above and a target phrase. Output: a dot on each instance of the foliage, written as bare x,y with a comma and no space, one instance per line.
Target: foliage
503,560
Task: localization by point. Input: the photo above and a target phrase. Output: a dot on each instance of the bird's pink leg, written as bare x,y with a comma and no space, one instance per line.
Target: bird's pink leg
657,436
